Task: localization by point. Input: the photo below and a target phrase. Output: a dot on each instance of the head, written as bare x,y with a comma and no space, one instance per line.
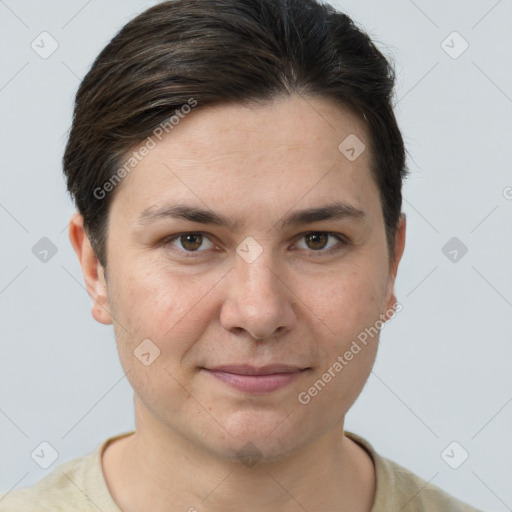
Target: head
249,111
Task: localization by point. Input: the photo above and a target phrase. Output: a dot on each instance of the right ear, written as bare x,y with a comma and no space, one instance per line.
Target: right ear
92,270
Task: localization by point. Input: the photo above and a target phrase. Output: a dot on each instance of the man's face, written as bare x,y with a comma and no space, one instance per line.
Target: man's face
259,292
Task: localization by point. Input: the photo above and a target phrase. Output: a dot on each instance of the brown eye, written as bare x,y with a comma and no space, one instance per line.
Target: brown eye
317,241
189,242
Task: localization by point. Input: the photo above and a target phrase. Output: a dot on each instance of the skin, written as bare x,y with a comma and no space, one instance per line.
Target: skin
293,305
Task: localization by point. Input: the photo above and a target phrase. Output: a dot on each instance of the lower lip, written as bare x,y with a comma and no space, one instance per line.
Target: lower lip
256,383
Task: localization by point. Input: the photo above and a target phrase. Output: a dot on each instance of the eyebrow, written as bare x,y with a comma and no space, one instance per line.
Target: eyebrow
331,211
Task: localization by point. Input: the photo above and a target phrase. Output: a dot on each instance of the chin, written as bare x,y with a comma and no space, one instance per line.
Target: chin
265,435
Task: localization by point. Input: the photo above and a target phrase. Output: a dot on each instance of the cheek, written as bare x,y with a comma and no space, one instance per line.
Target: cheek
347,302
153,305
348,311
169,308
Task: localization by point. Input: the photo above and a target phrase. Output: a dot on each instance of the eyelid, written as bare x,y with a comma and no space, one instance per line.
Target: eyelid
342,242
167,241
342,239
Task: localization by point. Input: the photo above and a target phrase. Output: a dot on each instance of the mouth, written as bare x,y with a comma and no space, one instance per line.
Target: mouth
254,380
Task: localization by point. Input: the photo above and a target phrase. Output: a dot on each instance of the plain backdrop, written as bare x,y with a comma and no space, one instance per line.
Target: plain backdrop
442,374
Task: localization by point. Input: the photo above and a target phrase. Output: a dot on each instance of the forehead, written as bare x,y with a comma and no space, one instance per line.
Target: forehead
308,127
263,159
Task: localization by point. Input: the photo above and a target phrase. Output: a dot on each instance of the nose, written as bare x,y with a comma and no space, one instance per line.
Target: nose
257,300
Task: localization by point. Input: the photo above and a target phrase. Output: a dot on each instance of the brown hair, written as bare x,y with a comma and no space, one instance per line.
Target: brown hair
225,51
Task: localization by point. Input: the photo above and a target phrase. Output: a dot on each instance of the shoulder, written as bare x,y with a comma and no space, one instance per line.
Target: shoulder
397,488
53,493
79,482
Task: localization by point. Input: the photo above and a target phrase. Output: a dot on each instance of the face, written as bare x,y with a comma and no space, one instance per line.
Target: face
262,277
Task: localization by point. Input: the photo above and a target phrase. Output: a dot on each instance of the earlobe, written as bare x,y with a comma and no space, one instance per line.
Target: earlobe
92,270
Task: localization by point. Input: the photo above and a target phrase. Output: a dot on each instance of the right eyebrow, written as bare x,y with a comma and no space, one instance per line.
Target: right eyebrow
186,212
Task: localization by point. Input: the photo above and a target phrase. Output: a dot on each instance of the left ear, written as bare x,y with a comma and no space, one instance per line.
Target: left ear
393,265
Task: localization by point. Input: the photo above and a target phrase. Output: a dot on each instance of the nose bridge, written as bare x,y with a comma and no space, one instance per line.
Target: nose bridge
257,300
255,265
258,281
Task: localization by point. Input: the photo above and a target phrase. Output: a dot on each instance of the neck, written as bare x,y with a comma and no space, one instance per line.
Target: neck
156,469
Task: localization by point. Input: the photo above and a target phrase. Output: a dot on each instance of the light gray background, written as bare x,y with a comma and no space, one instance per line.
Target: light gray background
443,369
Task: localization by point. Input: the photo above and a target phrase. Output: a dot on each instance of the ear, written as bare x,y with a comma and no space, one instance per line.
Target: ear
399,247
92,270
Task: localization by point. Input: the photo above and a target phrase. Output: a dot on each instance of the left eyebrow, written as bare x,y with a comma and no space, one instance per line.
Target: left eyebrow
332,211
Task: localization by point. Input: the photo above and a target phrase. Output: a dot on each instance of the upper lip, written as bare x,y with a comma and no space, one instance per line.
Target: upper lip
244,369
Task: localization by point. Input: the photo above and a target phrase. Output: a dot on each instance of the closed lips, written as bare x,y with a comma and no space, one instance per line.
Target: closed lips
250,370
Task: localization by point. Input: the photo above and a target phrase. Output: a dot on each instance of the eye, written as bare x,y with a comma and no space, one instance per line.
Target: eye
189,242
317,241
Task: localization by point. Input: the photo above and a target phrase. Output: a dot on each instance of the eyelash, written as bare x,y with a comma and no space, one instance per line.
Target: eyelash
195,254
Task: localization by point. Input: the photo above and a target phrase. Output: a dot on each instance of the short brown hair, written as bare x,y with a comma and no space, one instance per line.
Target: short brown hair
225,51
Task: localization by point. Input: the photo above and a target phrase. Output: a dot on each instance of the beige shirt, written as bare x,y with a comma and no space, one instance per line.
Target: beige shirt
79,486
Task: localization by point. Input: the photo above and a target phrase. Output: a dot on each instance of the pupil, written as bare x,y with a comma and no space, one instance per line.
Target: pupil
191,245
316,237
